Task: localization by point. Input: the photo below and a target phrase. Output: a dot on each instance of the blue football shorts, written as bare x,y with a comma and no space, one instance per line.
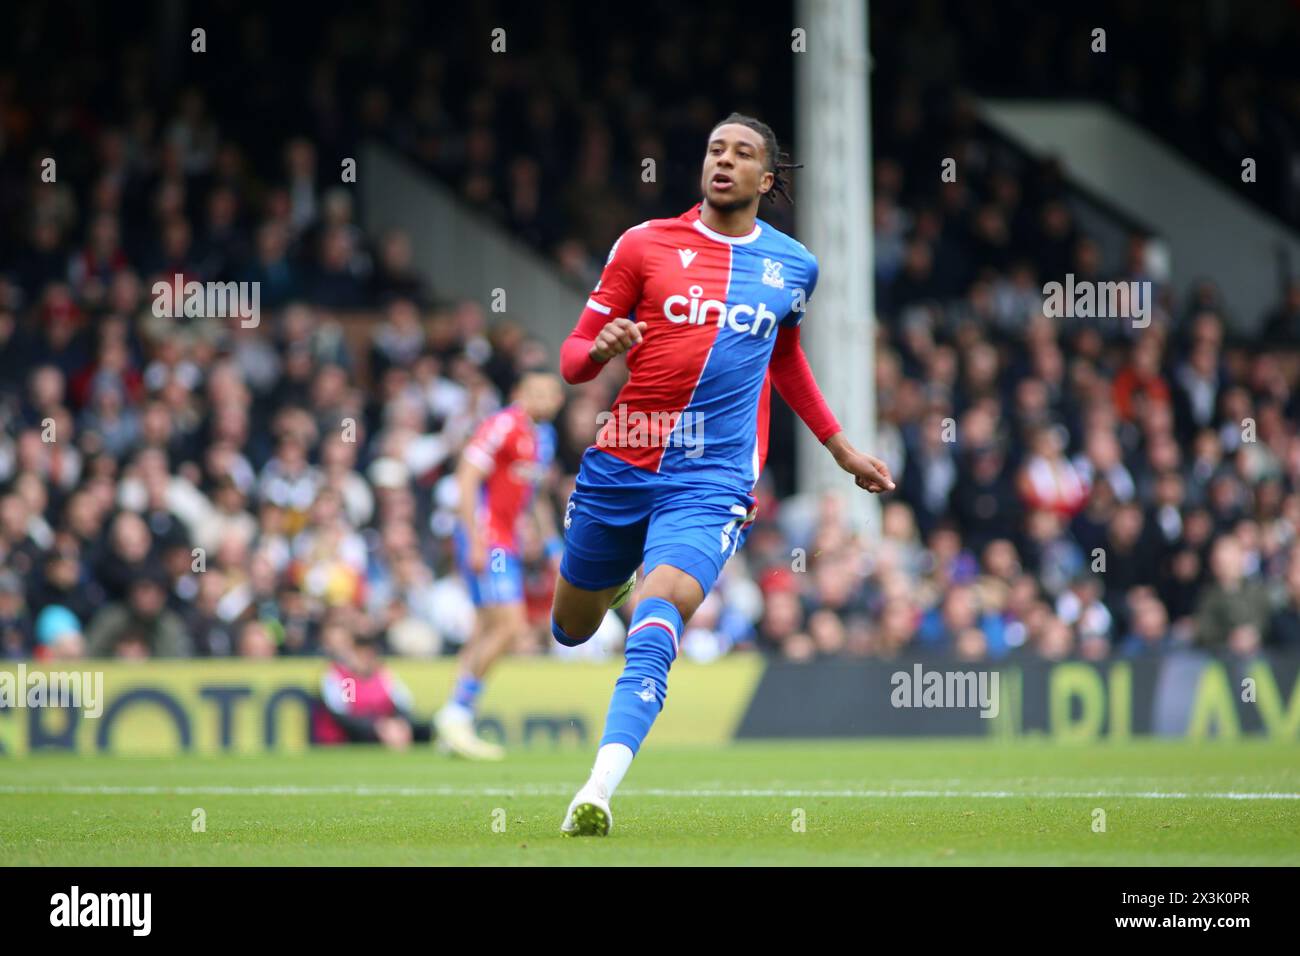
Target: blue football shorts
621,516
502,578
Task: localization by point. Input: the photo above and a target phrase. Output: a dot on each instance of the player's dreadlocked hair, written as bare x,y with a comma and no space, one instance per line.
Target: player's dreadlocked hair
778,161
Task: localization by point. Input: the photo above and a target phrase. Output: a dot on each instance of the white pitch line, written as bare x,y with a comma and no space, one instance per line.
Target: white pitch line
548,790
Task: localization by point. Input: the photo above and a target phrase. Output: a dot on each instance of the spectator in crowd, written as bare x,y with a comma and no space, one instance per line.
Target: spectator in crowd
58,635
361,701
1150,632
139,626
15,627
1048,481
1233,613
1284,629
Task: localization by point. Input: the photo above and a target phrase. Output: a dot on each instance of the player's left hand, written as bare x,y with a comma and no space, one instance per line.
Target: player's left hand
869,473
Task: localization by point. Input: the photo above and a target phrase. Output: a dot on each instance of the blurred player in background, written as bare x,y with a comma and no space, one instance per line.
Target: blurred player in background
497,479
707,307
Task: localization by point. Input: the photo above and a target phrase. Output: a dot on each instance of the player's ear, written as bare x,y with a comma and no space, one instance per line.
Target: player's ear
765,183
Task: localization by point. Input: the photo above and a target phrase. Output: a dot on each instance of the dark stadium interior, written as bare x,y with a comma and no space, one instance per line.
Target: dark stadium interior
1077,436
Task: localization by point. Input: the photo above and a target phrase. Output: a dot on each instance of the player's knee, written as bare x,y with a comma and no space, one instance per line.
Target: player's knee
676,587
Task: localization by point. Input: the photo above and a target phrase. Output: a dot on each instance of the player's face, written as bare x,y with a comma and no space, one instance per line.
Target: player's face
735,168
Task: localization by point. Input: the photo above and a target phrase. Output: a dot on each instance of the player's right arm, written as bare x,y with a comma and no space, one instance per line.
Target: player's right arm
605,328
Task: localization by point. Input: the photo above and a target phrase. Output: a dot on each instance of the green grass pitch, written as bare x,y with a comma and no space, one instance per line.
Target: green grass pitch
809,803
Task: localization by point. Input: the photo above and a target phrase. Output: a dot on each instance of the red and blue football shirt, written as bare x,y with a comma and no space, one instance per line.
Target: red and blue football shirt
505,447
696,400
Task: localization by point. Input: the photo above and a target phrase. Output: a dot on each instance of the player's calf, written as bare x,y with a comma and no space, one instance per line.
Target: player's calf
639,694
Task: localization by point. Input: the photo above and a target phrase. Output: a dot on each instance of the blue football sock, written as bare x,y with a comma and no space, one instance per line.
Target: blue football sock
640,690
466,692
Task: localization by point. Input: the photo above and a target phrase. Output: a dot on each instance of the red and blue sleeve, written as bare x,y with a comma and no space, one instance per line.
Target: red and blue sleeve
615,296
794,381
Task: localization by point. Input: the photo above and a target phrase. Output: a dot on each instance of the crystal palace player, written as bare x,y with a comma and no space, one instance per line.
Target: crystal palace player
707,307
497,478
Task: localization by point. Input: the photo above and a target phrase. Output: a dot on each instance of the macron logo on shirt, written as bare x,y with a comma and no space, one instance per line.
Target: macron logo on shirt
688,256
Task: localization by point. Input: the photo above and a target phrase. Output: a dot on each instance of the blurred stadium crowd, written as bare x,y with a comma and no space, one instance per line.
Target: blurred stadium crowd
1066,488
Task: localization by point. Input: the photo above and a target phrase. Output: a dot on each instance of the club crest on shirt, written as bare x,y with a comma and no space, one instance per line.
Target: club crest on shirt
772,274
